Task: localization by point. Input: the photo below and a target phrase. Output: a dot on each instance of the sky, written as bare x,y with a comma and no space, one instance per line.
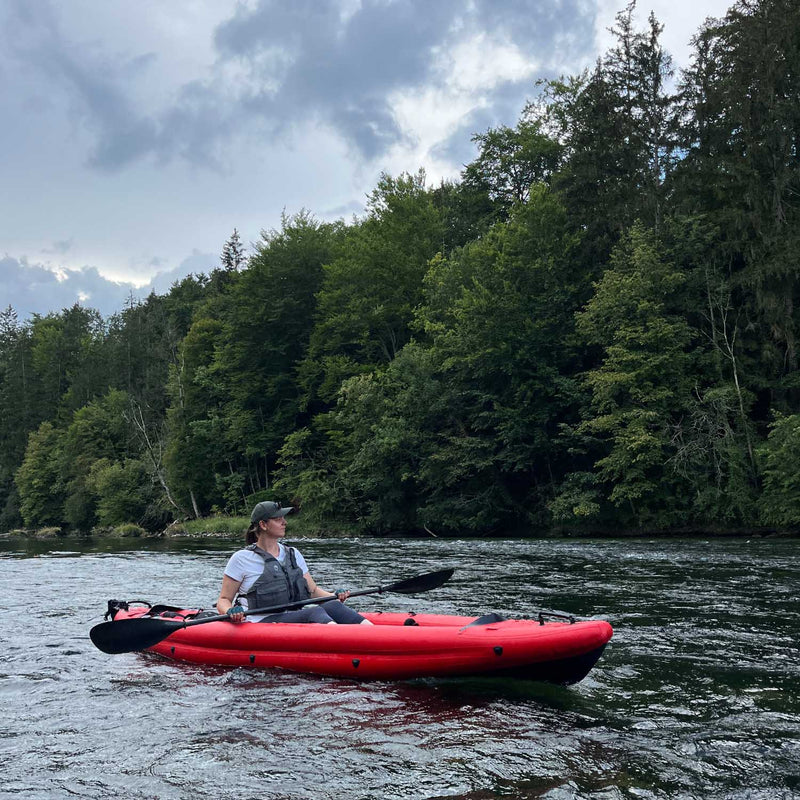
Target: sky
135,135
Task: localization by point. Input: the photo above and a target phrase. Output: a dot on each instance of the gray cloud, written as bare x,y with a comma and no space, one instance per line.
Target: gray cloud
295,63
60,247
91,82
343,68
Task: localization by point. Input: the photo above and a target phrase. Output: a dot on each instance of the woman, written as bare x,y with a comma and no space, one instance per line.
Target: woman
269,573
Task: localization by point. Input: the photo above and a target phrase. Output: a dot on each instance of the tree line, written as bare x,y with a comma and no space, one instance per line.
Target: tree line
594,328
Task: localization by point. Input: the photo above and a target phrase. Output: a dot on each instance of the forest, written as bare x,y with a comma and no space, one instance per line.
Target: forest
593,329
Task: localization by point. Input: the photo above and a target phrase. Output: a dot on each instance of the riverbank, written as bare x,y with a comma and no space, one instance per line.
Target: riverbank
213,527
221,527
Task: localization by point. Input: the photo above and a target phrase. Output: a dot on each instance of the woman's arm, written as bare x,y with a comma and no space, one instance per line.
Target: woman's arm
226,595
318,591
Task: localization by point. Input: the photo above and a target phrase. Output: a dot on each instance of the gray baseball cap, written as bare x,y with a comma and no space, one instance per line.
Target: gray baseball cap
268,510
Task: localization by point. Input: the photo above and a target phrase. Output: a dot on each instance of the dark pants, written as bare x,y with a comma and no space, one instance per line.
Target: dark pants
329,611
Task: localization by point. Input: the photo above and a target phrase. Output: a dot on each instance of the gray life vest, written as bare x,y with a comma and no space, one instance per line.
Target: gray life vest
279,584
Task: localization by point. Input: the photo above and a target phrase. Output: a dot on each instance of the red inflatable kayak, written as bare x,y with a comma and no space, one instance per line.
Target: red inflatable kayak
396,647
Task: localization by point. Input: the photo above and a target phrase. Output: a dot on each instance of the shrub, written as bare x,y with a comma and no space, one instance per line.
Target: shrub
129,529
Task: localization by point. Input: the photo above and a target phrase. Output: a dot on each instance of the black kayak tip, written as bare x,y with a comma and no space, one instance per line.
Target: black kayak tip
131,635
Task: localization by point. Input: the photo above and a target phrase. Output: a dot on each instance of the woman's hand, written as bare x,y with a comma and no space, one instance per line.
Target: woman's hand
235,614
341,594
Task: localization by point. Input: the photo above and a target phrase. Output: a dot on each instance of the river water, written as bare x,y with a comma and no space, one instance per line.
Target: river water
695,697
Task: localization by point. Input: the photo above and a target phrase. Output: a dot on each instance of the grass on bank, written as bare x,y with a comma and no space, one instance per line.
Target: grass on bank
220,525
209,526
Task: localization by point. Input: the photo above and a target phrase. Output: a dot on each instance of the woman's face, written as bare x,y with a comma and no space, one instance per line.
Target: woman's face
274,527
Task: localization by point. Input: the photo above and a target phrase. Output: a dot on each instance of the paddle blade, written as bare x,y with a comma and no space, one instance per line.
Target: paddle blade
420,583
129,635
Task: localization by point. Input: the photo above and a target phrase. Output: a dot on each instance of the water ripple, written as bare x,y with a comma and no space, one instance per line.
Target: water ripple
696,697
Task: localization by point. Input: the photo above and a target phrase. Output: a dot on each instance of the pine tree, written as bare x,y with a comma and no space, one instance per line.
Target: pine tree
233,254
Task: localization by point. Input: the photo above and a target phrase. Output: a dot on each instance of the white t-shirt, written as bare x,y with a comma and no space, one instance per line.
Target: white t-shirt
247,567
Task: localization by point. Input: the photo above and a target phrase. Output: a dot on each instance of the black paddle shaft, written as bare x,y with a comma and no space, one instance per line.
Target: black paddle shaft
139,633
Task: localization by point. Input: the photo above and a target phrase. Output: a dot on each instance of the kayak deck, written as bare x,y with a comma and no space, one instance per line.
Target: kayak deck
396,647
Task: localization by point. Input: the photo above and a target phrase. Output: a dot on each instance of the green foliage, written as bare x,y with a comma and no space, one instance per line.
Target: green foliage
124,491
129,529
617,125
370,288
233,526
641,384
740,135
97,431
233,393
594,328
233,256
194,421
38,478
711,456
780,454
309,472
576,499
499,316
455,424
512,160
82,474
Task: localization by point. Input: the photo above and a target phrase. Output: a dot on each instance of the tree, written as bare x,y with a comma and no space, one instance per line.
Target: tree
97,431
69,368
641,385
464,419
617,126
38,479
511,160
269,321
498,315
780,501
741,115
124,492
16,410
196,430
370,288
233,254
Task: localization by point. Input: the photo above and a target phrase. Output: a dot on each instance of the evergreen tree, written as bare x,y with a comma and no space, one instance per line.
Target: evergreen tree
641,386
780,501
233,256
741,131
617,126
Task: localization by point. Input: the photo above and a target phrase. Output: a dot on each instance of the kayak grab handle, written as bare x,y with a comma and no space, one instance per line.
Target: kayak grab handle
118,605
543,614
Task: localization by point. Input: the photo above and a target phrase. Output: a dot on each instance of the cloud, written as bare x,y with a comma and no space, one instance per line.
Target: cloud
195,264
135,132
60,247
41,288
316,62
281,66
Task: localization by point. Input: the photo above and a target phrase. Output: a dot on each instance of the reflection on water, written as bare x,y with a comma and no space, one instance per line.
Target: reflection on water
696,696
